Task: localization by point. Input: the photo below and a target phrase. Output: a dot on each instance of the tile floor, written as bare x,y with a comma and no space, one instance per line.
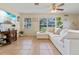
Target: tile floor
29,46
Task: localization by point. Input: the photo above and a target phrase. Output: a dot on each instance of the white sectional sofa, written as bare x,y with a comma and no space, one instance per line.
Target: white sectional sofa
66,42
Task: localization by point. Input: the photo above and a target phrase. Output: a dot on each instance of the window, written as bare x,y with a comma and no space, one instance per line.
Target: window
27,23
43,24
51,22
46,22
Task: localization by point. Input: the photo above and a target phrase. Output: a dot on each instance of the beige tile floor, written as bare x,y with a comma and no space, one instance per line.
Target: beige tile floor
29,46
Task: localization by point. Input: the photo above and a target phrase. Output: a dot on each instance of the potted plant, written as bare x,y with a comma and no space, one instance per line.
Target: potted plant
13,26
21,33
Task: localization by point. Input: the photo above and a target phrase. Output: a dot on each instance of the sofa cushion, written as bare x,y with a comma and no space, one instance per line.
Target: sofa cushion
57,31
62,33
58,41
62,40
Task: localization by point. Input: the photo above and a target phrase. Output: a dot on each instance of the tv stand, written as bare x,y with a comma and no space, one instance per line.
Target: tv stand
11,36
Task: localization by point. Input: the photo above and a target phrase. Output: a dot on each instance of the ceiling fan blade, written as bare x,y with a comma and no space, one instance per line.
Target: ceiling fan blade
61,4
60,9
54,6
36,3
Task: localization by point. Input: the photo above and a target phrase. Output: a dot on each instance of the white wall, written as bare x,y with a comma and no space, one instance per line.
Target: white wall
75,21
71,21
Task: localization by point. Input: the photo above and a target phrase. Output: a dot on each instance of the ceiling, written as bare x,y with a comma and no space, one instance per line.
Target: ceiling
43,7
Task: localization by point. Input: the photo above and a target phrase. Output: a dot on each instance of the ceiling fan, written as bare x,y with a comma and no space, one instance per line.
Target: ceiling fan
36,4
56,6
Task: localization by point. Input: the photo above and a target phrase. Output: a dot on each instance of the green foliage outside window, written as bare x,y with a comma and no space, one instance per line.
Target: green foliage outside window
43,24
43,29
59,23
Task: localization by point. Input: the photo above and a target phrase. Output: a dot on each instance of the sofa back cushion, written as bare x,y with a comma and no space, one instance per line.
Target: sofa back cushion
62,40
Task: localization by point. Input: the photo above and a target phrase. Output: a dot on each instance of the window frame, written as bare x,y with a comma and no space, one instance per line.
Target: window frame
27,23
47,25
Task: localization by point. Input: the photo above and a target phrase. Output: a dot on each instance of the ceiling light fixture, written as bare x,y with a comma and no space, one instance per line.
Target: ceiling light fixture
54,11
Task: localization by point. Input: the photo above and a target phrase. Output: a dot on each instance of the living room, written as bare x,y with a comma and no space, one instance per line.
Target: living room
42,28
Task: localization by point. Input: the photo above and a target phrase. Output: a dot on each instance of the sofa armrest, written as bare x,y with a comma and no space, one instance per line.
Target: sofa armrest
72,34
